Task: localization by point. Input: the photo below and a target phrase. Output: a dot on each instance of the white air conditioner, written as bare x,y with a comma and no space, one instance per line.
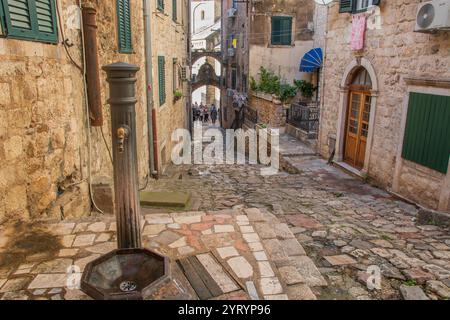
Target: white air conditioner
433,15
231,13
231,52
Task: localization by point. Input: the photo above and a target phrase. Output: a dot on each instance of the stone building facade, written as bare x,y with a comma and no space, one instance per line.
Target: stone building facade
281,50
396,63
272,34
170,41
43,120
235,33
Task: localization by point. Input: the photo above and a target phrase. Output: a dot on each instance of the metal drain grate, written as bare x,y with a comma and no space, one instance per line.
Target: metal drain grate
207,276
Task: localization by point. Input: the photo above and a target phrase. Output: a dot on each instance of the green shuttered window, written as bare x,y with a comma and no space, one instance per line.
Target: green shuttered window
281,30
30,19
162,79
345,6
174,10
160,5
124,26
427,133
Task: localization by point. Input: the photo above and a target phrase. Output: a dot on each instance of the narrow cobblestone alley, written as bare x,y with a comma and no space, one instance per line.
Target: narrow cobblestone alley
344,224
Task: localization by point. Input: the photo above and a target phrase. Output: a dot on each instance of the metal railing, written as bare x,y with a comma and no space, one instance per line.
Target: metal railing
251,115
304,117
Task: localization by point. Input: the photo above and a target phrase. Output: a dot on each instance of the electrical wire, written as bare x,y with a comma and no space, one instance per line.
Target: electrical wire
106,144
61,29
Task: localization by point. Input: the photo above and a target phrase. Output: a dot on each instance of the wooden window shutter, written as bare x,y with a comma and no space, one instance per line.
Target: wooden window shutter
427,132
124,26
46,20
31,19
286,31
174,10
2,21
160,5
162,79
345,6
276,30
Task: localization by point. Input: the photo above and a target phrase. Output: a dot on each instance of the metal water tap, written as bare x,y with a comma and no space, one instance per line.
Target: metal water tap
122,134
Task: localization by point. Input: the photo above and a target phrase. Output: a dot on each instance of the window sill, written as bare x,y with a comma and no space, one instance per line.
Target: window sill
281,45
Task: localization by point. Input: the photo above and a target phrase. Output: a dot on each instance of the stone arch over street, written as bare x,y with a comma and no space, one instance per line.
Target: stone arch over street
206,77
350,71
197,55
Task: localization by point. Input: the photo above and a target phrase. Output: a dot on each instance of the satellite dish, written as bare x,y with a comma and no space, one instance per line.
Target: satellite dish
323,2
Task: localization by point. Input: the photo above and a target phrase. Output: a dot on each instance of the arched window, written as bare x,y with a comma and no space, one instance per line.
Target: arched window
362,78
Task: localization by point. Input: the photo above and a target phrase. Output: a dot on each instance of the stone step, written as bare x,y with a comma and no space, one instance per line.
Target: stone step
165,199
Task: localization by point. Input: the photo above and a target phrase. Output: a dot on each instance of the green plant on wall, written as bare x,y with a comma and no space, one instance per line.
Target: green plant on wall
177,95
271,84
306,88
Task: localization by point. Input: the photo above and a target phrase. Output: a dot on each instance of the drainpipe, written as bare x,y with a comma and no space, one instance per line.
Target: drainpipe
151,114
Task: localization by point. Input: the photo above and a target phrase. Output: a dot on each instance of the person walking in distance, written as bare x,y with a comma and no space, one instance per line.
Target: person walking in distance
213,112
205,114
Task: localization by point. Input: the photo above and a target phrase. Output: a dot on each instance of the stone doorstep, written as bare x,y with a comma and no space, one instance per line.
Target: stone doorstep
165,199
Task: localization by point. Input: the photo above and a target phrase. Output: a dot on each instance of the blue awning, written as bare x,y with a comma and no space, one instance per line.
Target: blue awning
312,60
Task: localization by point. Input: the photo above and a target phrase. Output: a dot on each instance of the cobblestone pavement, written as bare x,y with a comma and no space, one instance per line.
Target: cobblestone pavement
349,229
319,233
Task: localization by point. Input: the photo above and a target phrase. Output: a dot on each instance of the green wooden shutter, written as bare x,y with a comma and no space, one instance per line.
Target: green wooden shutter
46,20
31,19
286,31
427,133
162,79
161,5
174,10
281,30
345,6
18,18
124,26
2,21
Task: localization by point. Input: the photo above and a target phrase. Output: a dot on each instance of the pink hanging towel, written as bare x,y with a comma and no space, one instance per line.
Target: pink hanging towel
358,32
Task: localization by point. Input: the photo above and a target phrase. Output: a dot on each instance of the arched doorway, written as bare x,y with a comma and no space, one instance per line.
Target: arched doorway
358,118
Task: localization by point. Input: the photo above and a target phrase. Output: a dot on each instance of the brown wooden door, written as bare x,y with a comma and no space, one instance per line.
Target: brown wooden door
357,128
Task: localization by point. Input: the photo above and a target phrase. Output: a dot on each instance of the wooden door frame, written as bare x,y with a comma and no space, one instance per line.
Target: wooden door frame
344,96
364,92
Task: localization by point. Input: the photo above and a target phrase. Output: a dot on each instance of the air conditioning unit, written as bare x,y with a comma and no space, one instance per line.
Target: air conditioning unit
184,73
433,15
231,13
231,52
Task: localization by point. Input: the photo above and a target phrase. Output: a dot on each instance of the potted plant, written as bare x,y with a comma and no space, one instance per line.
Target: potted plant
177,95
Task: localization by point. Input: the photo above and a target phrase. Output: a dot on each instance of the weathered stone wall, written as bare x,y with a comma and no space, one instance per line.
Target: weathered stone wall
169,39
43,132
109,53
395,52
270,110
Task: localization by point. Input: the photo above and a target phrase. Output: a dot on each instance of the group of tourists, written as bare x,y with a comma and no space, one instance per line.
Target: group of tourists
204,113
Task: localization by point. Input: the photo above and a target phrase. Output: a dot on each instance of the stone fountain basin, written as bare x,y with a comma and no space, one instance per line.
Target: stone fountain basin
125,274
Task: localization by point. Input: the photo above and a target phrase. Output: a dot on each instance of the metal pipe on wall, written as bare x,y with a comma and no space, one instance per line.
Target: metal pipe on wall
151,114
92,66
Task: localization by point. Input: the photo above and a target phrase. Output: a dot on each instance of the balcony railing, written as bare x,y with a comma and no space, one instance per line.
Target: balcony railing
304,117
